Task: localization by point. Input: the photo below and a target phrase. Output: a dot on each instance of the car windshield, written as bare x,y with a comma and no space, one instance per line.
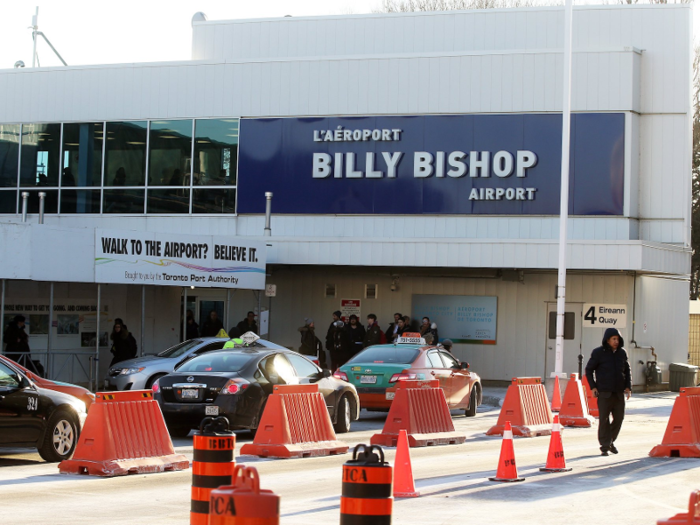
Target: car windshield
217,362
385,354
180,349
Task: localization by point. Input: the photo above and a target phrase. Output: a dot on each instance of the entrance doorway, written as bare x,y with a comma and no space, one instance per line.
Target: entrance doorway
572,337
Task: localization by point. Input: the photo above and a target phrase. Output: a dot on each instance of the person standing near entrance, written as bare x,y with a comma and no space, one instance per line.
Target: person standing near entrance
310,344
329,334
248,324
374,334
123,343
16,340
610,378
212,325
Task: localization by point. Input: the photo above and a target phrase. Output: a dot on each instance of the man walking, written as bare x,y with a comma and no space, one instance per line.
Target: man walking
610,378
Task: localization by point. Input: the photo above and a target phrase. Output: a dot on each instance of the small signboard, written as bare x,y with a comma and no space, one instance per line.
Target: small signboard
349,307
599,315
271,290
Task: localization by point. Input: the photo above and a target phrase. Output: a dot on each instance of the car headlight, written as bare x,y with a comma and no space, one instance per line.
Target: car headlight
126,371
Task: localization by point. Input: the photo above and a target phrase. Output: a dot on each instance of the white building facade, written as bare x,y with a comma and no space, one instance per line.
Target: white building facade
414,162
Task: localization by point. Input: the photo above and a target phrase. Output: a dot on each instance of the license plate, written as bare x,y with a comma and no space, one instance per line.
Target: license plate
390,396
190,393
211,411
368,380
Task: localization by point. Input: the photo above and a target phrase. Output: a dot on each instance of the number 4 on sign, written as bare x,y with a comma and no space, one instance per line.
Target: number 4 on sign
590,315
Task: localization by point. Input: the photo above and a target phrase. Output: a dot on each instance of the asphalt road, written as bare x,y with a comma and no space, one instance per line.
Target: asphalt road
627,488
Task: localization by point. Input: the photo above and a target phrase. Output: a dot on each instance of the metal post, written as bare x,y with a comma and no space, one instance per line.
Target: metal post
35,27
143,317
2,311
268,213
564,197
25,197
42,198
97,345
259,311
48,348
184,314
228,310
269,318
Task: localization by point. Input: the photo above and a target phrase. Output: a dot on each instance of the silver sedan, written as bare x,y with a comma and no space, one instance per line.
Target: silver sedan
140,373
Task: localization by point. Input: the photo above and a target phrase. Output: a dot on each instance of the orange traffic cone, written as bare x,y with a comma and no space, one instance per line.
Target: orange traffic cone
556,396
404,486
507,471
555,458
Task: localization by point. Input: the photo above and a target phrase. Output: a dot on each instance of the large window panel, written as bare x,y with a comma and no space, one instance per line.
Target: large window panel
170,153
214,200
216,152
171,200
82,155
41,148
80,201
125,154
123,201
8,201
9,154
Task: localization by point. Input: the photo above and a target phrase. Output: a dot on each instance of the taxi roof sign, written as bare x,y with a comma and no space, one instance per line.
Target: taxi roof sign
249,338
410,338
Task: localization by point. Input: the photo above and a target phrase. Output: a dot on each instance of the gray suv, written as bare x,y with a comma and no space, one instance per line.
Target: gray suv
140,373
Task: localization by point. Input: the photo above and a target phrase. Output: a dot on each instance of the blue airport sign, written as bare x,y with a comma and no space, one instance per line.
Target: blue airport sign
431,164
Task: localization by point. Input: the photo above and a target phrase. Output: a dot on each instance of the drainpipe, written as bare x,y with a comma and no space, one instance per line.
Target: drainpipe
268,213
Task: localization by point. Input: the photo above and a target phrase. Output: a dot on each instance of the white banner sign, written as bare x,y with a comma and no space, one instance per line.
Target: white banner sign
604,315
160,259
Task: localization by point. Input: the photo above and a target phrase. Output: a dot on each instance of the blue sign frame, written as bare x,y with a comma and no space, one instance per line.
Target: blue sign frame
341,165
466,319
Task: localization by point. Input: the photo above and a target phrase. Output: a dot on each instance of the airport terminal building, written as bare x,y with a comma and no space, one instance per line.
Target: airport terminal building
414,162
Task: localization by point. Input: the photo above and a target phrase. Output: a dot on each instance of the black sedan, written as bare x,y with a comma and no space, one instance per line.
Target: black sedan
236,383
31,416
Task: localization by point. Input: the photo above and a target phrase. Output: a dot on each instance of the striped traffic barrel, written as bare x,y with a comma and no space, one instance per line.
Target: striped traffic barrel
244,503
212,464
366,497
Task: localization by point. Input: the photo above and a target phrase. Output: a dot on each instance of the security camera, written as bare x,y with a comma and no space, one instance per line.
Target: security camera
19,63
393,287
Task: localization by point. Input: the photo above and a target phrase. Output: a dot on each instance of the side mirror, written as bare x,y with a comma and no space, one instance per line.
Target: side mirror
326,373
464,365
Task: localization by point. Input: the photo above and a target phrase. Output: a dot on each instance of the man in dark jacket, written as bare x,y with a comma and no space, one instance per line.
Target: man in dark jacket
610,378
16,340
356,334
340,350
123,343
329,334
374,333
310,344
393,328
212,325
248,324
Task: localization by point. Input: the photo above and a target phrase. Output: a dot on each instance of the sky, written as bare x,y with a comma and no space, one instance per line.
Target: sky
106,32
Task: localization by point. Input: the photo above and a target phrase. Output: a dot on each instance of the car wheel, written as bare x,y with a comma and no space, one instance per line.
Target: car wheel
344,416
471,411
152,379
60,438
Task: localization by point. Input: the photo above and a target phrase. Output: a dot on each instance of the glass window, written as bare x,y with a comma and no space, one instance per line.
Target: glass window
41,146
450,362
82,155
174,200
123,201
569,325
9,154
435,360
125,154
214,200
180,348
170,153
216,362
8,201
50,201
304,367
385,354
80,201
277,370
8,377
216,152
